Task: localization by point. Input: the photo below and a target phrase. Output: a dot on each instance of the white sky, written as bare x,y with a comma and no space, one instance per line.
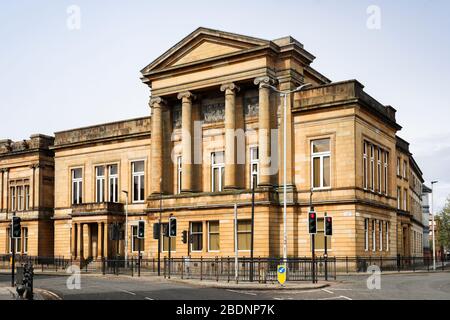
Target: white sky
53,78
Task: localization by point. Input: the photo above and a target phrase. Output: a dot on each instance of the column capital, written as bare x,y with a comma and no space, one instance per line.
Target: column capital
157,100
264,80
4,170
186,95
229,88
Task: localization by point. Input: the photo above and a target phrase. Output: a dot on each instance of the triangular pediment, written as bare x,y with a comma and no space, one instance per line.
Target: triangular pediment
201,45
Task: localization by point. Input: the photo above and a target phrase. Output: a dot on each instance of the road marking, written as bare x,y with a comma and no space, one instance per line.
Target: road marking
147,298
328,291
129,292
336,298
242,292
342,289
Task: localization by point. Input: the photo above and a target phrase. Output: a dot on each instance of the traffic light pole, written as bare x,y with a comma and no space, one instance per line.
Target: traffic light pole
170,251
326,253
13,259
252,230
159,235
139,257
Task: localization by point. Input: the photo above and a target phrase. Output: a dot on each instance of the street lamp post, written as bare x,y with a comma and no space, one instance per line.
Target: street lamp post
285,94
433,224
126,226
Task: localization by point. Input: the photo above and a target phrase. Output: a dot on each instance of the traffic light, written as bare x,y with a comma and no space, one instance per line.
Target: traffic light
328,226
312,222
184,236
172,227
156,231
141,229
16,227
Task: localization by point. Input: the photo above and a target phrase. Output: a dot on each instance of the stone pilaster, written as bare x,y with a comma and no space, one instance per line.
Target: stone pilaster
74,241
80,241
186,141
100,252
264,127
156,145
230,90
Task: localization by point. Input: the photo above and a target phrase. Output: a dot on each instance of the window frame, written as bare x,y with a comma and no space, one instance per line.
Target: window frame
387,236
113,193
380,234
138,175
365,174
196,233
248,232
100,192
179,173
78,182
215,233
386,172
366,234
253,162
321,156
374,235
221,170
25,240
372,168
379,174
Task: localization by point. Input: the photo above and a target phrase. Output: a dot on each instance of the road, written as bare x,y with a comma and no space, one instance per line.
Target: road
393,286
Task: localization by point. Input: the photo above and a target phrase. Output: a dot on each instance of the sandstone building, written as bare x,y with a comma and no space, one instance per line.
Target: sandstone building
216,128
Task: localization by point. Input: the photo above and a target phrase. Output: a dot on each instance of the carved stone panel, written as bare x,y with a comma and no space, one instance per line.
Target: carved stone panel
213,109
177,116
251,104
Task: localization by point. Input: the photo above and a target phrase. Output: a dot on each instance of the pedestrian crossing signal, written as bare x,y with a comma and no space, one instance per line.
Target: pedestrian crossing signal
312,222
141,229
328,226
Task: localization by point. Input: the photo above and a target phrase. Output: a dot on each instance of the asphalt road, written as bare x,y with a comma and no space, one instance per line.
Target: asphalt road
393,286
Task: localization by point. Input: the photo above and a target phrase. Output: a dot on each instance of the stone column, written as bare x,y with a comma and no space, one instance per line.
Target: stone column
80,241
106,240
100,253
90,240
186,140
74,240
230,90
156,145
264,143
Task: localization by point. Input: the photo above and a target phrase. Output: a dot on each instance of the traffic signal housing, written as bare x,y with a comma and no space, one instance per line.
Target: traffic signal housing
184,236
172,227
312,222
156,231
328,226
141,229
16,229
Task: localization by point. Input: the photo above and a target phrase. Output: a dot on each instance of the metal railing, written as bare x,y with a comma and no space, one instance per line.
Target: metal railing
224,269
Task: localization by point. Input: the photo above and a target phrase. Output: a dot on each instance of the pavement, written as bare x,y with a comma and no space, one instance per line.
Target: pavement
421,286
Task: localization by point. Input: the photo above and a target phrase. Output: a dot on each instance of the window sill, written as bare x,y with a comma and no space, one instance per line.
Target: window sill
321,189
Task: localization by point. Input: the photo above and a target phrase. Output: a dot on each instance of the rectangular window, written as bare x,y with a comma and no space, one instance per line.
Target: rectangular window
365,182
398,167
113,177
135,240
380,234
100,184
399,196
387,235
320,236
254,166
374,236
244,234
217,171
12,203
19,198
320,160
213,236
405,168
372,168
197,236
25,240
386,160
77,186
138,172
27,197
366,234
378,170
179,174
17,243
405,199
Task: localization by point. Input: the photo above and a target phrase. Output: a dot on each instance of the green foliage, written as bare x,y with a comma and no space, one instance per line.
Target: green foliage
444,225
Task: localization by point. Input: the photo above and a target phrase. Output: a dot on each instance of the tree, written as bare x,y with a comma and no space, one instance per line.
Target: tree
444,226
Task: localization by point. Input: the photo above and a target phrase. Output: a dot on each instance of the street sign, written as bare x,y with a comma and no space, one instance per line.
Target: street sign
281,273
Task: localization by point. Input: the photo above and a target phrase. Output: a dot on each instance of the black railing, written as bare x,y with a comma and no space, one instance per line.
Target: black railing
225,269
